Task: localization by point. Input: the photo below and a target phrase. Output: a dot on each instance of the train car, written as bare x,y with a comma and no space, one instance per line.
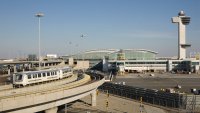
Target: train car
31,77
65,72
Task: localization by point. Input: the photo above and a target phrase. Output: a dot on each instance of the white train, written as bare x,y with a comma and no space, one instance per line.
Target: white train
31,77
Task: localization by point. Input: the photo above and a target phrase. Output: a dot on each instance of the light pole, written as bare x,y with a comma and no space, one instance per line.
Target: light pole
39,15
82,36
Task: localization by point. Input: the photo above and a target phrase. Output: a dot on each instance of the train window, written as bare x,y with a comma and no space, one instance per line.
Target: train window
18,77
55,73
34,75
65,71
48,74
29,76
44,74
39,75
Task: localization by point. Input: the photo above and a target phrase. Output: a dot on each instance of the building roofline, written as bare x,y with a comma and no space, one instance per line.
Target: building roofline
117,50
102,50
142,50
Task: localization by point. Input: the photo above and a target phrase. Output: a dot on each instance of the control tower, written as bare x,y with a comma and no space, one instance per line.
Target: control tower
182,21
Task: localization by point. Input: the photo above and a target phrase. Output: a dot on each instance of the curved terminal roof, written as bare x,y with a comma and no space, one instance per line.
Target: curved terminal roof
117,50
130,54
141,50
102,51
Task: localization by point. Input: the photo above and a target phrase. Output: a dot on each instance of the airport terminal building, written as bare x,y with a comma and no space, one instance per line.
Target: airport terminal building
135,60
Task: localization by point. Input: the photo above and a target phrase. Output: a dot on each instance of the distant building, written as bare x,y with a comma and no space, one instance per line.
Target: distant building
52,56
32,57
197,56
182,66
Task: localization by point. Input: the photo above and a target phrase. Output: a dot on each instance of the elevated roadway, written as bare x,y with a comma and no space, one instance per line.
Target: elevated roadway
27,62
48,98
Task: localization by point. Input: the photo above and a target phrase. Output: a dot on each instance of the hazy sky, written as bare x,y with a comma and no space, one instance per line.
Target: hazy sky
136,24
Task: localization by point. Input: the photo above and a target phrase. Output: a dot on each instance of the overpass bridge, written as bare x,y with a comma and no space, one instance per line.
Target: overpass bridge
6,67
47,97
9,67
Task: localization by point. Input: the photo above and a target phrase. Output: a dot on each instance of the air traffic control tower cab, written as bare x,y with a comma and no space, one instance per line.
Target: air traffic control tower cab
182,21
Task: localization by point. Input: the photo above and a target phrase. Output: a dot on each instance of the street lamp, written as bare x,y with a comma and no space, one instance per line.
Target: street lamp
82,36
39,15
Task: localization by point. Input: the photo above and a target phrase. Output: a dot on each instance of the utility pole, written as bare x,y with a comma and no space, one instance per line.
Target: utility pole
66,108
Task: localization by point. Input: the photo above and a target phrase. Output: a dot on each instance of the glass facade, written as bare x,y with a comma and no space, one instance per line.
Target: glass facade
135,55
128,54
139,55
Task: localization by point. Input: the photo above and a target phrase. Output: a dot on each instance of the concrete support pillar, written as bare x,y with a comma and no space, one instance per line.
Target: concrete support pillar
52,110
71,62
169,65
8,69
29,66
94,98
23,67
15,68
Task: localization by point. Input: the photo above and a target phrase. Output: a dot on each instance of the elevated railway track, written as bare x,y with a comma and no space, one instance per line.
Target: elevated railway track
38,98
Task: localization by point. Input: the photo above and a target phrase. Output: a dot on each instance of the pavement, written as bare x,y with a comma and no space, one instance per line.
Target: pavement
115,105
161,81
